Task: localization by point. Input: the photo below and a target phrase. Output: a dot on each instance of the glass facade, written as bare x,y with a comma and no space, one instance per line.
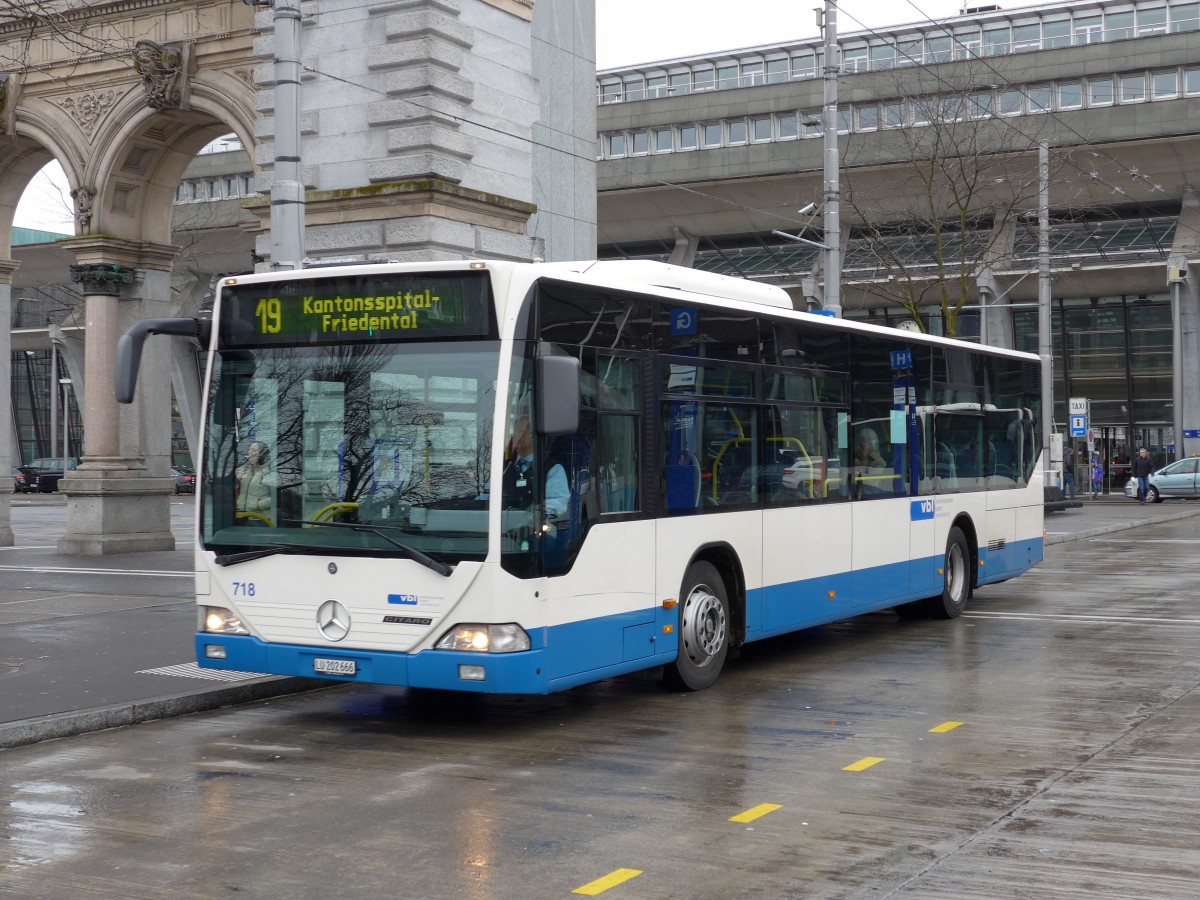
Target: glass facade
1116,352
31,385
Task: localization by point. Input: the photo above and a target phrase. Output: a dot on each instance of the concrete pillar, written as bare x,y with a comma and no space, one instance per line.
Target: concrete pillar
7,438
1183,281
118,500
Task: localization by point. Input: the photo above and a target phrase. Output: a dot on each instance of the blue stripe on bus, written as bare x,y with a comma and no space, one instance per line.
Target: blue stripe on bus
576,653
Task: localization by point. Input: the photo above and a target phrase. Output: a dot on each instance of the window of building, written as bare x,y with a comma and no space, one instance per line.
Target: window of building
923,110
786,126
1185,17
868,117
687,137
760,128
641,141
712,134
616,145
1152,21
1056,34
938,49
662,140
893,114
703,78
1070,95
855,60
610,92
1191,81
681,83
996,40
1039,98
231,186
247,185
1027,37
1100,91
883,56
966,43
752,73
1165,85
1118,25
182,192
908,52
813,127
777,70
981,105
727,76
1088,29
803,66
599,148
1008,103
844,120
635,88
656,86
1133,88
737,131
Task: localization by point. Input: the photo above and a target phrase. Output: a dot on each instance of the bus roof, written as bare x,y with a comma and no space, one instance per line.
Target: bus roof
644,276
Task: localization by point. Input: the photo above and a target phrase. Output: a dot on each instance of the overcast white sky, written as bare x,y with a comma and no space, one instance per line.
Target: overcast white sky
630,32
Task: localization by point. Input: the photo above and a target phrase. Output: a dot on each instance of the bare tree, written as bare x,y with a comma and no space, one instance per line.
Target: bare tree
938,190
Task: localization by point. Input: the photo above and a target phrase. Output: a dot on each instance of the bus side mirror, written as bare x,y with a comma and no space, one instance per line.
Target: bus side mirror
557,394
129,348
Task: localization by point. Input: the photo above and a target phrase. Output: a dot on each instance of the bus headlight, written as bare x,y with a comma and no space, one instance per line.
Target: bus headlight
218,620
478,638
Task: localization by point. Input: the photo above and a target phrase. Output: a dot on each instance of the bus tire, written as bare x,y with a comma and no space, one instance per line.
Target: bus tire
703,630
956,579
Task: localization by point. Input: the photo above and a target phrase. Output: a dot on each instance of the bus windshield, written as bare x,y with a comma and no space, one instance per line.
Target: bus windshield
391,439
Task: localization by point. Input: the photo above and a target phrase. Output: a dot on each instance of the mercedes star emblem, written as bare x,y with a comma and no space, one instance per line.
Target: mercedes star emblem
333,620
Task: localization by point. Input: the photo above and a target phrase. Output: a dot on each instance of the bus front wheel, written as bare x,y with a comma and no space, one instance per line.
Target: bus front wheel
956,579
703,630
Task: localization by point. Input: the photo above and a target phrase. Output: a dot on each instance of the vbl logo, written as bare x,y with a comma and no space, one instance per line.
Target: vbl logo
922,509
403,599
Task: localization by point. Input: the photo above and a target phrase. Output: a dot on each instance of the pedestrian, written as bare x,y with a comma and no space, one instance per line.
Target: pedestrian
1142,467
1097,476
1069,473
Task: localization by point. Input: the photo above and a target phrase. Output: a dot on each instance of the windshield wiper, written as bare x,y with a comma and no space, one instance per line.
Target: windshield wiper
410,552
232,559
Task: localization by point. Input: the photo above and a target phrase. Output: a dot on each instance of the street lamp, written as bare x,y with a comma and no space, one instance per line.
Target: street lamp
66,384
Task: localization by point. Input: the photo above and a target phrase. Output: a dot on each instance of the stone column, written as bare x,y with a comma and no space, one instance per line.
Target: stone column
7,268
118,500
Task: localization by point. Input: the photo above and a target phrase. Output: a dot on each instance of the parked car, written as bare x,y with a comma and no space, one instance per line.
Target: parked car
24,480
185,480
49,469
1179,479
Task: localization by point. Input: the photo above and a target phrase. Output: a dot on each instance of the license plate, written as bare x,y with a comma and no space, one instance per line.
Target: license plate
335,667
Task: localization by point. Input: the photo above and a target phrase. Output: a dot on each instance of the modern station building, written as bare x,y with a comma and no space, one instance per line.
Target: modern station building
703,159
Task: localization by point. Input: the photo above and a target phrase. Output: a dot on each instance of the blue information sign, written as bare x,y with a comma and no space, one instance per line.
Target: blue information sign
901,359
683,321
1078,426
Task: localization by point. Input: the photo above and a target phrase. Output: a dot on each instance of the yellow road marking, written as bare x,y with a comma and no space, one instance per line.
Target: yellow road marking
946,726
611,880
864,763
756,813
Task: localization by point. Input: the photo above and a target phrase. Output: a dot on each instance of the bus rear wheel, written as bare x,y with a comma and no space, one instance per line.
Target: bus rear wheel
703,630
956,579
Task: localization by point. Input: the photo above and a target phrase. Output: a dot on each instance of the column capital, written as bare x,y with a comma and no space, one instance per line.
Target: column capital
101,278
8,268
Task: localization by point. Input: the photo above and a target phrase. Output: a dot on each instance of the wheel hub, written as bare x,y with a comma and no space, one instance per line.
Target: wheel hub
703,625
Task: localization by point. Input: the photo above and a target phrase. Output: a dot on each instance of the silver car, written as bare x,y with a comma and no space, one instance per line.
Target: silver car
1179,479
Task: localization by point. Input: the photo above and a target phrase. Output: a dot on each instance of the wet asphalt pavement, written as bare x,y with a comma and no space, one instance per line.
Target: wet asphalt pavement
1044,745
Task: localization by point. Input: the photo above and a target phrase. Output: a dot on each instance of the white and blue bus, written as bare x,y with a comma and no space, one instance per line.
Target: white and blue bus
516,478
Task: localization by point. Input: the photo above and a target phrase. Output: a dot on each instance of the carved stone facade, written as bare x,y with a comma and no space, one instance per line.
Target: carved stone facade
430,129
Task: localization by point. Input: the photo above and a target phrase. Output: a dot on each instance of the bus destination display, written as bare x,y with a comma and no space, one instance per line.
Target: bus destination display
356,309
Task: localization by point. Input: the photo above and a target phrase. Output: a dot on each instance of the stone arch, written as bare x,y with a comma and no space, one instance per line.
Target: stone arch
146,151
